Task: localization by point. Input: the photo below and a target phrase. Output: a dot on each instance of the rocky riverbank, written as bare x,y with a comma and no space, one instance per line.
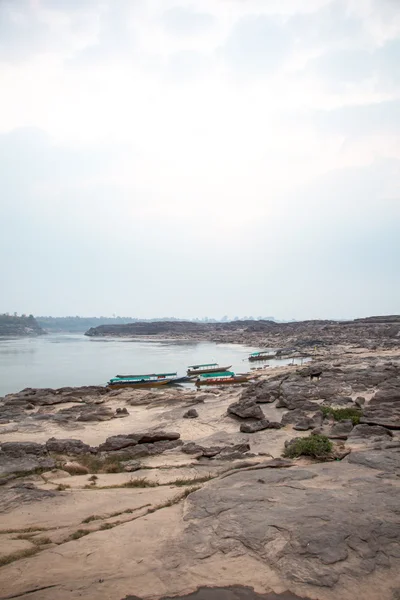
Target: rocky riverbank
372,333
289,484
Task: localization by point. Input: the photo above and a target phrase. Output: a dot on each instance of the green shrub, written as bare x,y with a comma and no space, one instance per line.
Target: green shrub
6,560
317,446
343,414
79,533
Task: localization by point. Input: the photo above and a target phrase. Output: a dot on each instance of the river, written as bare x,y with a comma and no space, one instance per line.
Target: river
57,360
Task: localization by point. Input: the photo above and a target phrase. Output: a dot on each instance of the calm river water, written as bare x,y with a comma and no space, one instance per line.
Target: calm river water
57,360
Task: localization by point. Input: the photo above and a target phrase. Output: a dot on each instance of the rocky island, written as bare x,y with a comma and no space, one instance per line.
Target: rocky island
14,326
281,489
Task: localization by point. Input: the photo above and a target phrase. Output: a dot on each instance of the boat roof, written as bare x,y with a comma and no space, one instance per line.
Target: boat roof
206,365
261,352
221,374
145,375
138,378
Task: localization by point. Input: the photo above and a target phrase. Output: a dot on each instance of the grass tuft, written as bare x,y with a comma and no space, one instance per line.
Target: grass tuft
62,486
92,518
104,526
194,480
25,530
342,414
317,446
6,560
79,533
42,541
175,500
141,482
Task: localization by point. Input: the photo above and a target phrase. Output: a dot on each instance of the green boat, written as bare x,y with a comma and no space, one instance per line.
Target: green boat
222,377
147,376
206,368
262,355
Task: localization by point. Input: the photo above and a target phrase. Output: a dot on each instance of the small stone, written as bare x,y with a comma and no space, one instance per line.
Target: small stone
74,468
132,465
191,414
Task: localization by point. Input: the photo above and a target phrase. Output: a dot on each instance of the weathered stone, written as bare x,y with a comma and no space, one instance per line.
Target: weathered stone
262,392
359,401
191,414
21,449
246,409
259,426
121,412
341,430
223,452
142,450
67,446
75,468
132,465
303,424
366,431
117,442
24,457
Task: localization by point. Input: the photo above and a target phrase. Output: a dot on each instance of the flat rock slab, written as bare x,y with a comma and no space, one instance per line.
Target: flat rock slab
234,592
311,533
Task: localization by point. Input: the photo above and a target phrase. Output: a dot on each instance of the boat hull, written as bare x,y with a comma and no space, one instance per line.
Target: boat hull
222,380
184,379
210,370
137,384
261,357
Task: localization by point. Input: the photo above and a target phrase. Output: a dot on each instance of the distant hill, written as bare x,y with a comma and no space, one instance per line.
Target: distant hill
177,328
13,326
77,324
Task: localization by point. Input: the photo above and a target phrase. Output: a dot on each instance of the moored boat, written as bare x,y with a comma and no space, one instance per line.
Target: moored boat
223,377
148,375
207,368
263,355
118,383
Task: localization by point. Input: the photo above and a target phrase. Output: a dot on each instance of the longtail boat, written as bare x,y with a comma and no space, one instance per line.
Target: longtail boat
223,377
149,380
263,355
117,383
147,376
207,368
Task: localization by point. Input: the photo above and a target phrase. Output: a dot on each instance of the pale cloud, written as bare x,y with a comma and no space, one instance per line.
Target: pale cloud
179,136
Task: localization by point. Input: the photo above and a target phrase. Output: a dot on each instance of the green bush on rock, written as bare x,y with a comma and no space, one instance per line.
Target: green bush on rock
343,414
317,446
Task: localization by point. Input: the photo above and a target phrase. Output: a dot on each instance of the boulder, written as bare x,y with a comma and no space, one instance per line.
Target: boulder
303,424
359,401
259,426
191,414
223,452
24,457
246,409
21,449
118,442
67,446
341,430
293,416
262,392
158,436
75,468
142,450
366,431
131,465
121,412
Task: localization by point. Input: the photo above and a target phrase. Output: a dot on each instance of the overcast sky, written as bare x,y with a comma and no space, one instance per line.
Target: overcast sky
200,157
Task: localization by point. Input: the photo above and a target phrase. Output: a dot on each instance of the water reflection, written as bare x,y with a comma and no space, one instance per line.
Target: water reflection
57,360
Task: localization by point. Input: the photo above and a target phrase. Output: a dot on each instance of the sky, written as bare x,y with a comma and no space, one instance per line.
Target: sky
200,157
